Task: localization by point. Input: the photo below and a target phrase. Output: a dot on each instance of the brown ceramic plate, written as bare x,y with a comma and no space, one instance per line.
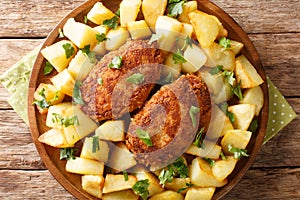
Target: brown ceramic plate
50,155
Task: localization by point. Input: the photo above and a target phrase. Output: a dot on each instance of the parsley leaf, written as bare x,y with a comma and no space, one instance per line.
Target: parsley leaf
224,108
118,12
187,185
85,19
101,37
193,113
187,42
178,57
100,81
166,176
237,153
125,175
253,126
141,188
154,38
136,78
66,121
237,91
48,68
69,50
67,153
225,43
211,162
95,142
180,168
116,63
199,138
223,157
60,33
229,77
144,136
175,7
216,70
77,98
43,103
112,23
89,53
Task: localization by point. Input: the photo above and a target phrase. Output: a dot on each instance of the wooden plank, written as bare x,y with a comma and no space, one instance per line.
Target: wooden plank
30,185
34,18
18,151
266,184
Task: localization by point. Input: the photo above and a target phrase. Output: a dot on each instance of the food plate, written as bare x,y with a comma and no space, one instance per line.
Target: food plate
50,155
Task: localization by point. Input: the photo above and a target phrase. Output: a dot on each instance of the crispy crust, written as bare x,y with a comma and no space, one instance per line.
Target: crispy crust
167,120
115,96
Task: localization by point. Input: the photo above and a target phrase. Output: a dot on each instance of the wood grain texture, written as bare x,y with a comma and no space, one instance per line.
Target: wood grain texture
36,18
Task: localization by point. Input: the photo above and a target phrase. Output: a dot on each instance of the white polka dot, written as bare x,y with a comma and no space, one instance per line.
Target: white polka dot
14,82
275,104
282,97
283,105
273,120
268,85
273,129
290,115
21,93
282,114
281,122
274,112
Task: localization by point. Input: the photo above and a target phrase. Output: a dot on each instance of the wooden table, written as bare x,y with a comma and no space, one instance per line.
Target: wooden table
273,26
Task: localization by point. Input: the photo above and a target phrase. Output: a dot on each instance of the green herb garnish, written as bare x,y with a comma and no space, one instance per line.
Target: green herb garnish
100,81
237,153
65,121
229,77
166,176
43,103
178,57
187,42
60,33
174,7
77,98
95,144
154,38
125,175
67,153
136,78
216,70
224,108
223,157
180,168
225,43
253,126
237,91
48,68
211,162
69,50
199,138
101,37
193,113
187,186
118,12
144,136
169,78
116,63
89,53
85,19
112,23
141,188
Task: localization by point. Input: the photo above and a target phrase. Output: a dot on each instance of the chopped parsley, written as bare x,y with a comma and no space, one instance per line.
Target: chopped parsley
223,157
187,42
178,57
67,153
229,77
169,78
174,7
69,50
211,162
118,12
43,103
237,91
237,153
136,78
89,53
154,38
187,186
199,138
77,98
100,81
116,63
112,23
101,37
144,136
225,43
141,188
95,144
224,108
193,115
60,33
65,121
48,68
216,70
125,175
85,19
178,168
253,126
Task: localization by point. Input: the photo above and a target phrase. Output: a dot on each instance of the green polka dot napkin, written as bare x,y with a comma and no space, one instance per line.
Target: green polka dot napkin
16,80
